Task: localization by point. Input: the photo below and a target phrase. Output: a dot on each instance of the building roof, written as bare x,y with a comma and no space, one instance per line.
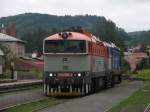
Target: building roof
134,58
28,64
136,54
7,38
1,53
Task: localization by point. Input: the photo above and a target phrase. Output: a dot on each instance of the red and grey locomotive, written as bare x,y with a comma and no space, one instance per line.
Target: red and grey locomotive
77,63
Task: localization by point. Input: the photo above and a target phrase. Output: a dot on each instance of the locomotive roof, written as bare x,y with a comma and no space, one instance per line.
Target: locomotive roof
74,36
8,38
112,45
80,36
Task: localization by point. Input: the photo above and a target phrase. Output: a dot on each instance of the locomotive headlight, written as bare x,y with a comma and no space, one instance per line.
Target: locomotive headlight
50,74
79,74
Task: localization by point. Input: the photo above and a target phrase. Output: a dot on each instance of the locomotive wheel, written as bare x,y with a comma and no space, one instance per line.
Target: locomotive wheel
109,81
87,88
93,84
44,88
105,80
83,93
119,79
100,83
112,81
70,88
47,89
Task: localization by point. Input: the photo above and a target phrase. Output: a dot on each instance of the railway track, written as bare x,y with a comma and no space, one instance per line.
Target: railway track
98,102
5,108
11,100
19,85
19,89
119,92
20,92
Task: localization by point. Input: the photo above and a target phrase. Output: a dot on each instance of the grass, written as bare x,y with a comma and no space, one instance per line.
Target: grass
144,74
139,100
33,106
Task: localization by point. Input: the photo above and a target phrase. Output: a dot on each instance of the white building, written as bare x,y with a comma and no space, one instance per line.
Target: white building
16,45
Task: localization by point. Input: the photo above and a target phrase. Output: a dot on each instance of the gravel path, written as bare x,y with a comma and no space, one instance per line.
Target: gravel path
98,102
21,97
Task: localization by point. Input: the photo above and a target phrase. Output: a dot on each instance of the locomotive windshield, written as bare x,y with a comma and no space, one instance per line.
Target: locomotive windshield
65,46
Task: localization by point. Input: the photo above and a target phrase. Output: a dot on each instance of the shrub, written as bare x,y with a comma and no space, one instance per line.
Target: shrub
125,66
144,73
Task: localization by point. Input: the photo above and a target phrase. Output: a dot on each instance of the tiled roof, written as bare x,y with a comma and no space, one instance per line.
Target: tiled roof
28,64
7,38
134,58
136,54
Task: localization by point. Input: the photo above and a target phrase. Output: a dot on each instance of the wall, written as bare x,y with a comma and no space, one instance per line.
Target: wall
17,48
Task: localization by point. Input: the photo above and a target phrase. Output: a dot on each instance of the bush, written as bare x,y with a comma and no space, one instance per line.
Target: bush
6,75
144,73
145,63
33,74
37,73
125,67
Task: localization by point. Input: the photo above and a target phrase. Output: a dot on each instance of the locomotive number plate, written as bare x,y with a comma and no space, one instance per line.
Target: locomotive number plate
64,74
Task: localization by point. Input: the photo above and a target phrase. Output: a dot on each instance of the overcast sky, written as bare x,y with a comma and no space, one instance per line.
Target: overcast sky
132,15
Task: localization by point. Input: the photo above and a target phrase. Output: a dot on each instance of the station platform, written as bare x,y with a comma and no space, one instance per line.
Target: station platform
20,83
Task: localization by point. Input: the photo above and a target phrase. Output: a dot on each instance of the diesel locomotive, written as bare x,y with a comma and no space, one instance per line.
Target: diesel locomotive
77,63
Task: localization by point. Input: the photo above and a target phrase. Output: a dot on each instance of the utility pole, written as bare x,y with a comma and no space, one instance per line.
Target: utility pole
12,70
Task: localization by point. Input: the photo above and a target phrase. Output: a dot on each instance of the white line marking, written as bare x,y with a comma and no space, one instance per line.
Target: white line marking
5,108
147,107
108,109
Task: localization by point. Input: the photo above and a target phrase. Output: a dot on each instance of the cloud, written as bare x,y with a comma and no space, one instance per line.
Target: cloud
129,14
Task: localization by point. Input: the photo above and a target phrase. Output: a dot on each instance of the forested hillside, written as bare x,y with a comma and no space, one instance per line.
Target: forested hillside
141,37
34,27
30,22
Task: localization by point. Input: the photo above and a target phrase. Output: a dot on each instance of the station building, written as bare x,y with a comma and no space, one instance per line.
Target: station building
16,45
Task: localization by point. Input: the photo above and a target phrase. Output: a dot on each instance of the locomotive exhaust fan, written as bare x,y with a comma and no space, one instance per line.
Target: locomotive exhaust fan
64,35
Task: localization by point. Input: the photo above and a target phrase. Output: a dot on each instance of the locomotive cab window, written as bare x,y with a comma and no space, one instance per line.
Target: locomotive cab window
65,46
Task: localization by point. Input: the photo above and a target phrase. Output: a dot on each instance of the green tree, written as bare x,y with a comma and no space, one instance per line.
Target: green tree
35,40
107,31
8,55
